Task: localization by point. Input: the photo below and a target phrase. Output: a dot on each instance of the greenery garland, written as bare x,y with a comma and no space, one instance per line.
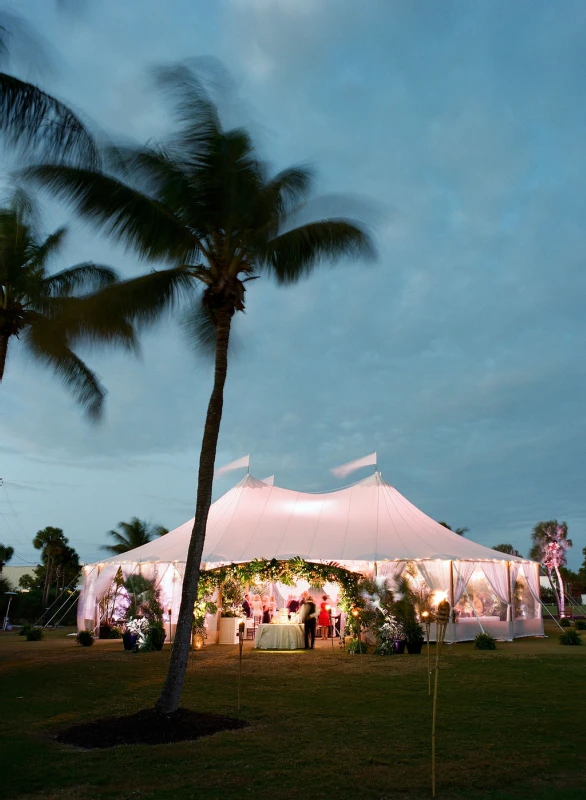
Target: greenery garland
286,571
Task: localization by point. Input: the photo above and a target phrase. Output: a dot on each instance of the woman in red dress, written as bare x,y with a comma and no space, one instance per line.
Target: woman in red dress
324,617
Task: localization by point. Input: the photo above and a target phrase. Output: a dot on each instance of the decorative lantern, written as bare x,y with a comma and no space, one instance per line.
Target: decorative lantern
197,641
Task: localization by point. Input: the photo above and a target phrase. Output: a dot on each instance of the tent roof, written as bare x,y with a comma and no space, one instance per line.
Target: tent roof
368,521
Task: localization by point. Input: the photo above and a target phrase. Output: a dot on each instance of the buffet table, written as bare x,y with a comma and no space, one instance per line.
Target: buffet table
276,636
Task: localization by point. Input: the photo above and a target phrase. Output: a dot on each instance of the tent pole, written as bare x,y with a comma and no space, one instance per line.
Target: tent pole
510,609
452,593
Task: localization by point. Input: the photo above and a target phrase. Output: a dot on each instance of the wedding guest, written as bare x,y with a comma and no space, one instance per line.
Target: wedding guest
257,606
292,605
324,617
246,607
266,610
309,615
272,605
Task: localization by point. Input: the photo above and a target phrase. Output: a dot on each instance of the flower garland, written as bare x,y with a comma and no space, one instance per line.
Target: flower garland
284,571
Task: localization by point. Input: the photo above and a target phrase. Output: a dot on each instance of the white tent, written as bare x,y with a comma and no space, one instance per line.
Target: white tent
369,527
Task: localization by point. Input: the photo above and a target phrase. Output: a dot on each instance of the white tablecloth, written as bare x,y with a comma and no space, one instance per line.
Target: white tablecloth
279,637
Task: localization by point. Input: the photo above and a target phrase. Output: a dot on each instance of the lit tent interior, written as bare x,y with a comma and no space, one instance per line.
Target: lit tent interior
368,527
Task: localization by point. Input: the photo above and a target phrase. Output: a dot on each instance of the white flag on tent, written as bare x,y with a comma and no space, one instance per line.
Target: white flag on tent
345,469
270,481
238,464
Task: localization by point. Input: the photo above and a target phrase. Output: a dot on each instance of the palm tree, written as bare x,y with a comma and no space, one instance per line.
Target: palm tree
459,531
6,553
46,310
32,120
132,534
52,542
205,203
550,542
508,549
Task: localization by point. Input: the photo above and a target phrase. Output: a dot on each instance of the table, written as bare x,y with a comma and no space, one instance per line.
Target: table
279,637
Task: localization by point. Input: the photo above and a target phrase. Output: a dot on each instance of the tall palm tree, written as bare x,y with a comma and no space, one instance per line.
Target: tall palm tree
45,310
204,202
459,531
6,553
131,535
550,542
51,542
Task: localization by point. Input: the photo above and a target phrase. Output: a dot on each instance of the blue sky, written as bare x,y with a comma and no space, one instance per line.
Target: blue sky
458,356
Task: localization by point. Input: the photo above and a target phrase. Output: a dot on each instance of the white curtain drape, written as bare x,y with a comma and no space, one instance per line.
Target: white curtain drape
104,580
531,572
390,571
86,603
462,573
436,574
497,575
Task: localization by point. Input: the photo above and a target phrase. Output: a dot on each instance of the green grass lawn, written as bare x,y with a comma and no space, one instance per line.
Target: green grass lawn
323,724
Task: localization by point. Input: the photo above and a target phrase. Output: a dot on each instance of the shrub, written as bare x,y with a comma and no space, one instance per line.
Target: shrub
34,634
115,633
580,624
85,638
565,622
25,628
386,647
155,637
356,646
571,637
484,641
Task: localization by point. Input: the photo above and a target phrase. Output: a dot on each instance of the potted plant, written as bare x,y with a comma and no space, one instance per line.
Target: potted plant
135,632
414,637
155,636
229,622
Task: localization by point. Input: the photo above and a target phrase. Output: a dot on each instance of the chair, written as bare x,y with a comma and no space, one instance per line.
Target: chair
250,628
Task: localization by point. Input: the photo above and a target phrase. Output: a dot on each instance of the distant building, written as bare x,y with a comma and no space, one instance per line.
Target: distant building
14,574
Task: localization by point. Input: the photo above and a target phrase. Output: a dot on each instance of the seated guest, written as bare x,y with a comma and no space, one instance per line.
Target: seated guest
246,607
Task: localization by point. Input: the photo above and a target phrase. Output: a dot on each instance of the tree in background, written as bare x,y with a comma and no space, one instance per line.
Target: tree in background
205,203
459,531
60,563
550,543
508,549
6,554
131,535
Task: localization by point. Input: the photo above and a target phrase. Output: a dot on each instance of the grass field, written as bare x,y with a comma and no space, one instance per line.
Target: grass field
323,724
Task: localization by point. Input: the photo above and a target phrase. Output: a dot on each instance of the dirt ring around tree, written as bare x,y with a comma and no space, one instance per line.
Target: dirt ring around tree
148,727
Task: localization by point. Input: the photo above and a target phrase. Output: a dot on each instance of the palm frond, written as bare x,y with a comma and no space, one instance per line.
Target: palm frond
77,376
295,253
140,221
199,329
82,277
41,253
35,122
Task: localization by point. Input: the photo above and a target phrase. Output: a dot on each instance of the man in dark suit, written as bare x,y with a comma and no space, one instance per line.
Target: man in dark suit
246,606
309,613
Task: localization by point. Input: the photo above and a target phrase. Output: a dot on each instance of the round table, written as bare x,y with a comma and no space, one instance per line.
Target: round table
275,636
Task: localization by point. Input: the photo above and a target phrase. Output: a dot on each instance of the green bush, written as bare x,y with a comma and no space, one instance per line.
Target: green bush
356,646
484,641
580,624
115,633
34,634
155,637
570,637
25,628
85,638
565,622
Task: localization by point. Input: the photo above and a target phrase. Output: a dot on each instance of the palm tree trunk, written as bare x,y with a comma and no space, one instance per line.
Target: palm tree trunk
562,599
169,698
47,583
3,353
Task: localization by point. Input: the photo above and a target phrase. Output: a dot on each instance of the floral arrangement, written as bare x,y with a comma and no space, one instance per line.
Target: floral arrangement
140,626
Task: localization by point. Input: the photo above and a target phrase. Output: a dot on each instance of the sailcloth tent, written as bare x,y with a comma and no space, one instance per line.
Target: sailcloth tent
368,527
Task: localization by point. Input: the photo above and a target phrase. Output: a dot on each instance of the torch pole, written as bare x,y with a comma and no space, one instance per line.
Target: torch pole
240,645
442,619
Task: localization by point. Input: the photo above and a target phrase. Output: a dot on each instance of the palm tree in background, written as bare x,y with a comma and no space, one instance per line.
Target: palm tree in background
131,535
550,542
55,552
204,203
6,553
45,310
459,531
508,549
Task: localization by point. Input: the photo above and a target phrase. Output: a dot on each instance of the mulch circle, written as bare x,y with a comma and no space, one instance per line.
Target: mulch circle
148,727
